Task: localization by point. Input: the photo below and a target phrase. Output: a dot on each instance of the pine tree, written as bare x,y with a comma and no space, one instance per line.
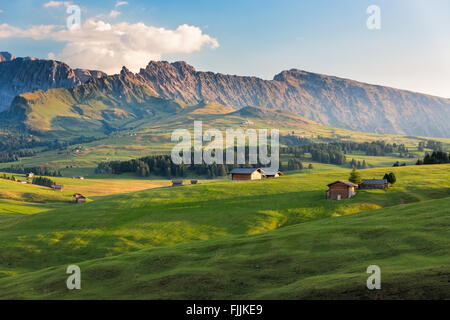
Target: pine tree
355,177
364,164
392,178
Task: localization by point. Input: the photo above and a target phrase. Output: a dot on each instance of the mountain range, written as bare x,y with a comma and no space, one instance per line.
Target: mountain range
20,75
92,98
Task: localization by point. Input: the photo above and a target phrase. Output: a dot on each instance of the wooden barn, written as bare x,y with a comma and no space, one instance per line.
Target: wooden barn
80,199
58,187
177,183
341,190
240,174
272,174
374,184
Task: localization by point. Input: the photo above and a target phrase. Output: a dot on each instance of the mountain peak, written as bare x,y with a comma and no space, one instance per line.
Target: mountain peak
184,66
181,66
6,56
125,71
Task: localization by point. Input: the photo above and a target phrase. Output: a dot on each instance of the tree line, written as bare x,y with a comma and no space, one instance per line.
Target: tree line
374,148
11,156
430,144
40,171
162,165
436,157
43,181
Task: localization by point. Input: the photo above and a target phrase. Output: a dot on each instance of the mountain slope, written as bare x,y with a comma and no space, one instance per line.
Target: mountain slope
20,75
328,100
96,107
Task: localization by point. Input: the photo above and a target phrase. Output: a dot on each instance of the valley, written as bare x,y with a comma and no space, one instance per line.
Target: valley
86,179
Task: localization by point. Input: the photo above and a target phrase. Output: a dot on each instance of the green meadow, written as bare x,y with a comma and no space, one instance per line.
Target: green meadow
274,238
152,136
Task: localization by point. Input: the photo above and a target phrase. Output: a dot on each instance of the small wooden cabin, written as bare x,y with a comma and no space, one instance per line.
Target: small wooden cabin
272,174
240,174
58,187
177,183
80,199
194,181
341,190
374,184
30,175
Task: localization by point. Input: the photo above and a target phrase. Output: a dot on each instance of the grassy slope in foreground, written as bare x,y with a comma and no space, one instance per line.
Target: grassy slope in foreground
320,259
162,217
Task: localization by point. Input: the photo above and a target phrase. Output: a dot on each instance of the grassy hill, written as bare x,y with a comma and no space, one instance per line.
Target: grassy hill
303,240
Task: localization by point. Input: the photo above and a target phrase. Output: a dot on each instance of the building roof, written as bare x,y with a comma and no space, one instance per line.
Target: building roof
57,186
348,183
374,181
271,172
245,170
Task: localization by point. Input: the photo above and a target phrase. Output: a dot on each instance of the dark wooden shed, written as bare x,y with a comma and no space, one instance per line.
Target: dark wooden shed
374,184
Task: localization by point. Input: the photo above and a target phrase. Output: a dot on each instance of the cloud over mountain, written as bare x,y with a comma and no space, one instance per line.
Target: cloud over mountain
108,47
57,4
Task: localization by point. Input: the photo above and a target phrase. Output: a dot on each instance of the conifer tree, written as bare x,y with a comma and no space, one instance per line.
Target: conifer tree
355,177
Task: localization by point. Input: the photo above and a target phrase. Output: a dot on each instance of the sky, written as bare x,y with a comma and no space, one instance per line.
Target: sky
410,49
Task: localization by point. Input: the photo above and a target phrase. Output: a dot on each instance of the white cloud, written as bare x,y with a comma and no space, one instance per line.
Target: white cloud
120,3
108,47
114,13
1,11
56,4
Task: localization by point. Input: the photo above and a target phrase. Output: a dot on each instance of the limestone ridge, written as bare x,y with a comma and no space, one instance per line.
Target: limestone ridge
328,100
324,99
19,75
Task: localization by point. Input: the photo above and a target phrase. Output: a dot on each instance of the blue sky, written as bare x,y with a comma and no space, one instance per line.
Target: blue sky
262,37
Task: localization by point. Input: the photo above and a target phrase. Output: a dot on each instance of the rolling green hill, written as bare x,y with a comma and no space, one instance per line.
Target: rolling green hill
324,259
275,238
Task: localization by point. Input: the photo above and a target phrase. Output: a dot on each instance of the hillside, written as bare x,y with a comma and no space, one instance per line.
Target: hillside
168,216
94,108
273,239
20,75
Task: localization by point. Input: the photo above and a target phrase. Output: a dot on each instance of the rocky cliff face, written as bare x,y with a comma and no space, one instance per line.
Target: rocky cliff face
325,99
19,75
328,100
84,75
6,56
